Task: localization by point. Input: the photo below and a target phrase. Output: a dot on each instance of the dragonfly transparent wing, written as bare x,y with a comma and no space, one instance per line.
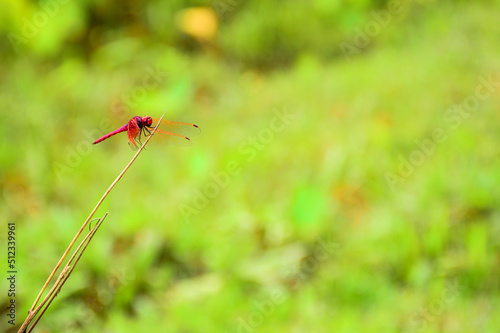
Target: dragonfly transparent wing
184,129
172,133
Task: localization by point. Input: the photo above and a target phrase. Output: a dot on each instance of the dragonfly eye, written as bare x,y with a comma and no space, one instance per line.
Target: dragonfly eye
149,121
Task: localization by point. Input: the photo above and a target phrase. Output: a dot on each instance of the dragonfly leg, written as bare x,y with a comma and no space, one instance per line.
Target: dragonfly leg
139,139
140,134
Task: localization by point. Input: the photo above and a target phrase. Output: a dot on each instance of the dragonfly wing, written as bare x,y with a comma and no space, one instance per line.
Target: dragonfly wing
183,129
170,139
133,131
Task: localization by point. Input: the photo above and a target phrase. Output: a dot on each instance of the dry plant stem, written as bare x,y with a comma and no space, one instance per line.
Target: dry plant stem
67,270
32,311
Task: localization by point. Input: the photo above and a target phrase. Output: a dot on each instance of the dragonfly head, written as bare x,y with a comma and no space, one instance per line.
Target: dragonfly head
147,121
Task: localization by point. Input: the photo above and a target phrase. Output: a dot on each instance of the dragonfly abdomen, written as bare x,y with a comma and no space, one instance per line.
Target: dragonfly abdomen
121,129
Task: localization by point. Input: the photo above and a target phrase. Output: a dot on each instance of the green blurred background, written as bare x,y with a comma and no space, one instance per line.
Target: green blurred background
369,206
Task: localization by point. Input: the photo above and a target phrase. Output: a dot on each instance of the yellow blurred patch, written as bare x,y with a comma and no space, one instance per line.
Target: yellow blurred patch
198,22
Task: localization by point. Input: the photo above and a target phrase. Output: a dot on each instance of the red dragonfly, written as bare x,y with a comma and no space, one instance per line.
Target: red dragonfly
169,132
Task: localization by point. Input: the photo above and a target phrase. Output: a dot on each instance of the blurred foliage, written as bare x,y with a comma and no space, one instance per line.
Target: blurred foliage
249,34
266,223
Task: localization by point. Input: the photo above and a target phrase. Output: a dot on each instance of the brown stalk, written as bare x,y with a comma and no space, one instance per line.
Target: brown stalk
68,269
66,272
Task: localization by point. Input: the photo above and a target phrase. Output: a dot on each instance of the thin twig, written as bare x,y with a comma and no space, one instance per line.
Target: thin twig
67,270
33,311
